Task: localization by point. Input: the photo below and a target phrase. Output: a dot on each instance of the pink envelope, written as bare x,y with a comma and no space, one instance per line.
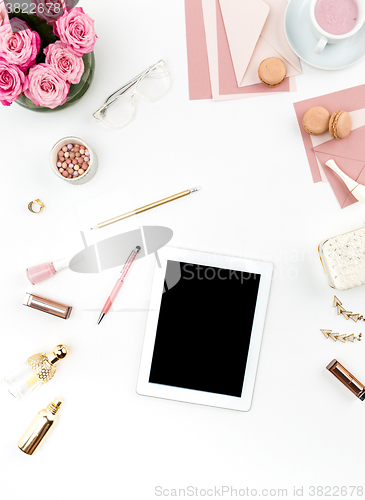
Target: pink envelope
201,40
255,31
227,77
274,34
358,120
243,21
213,39
349,100
349,154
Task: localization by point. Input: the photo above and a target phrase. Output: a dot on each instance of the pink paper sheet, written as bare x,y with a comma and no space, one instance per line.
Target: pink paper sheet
210,22
249,46
204,78
198,68
350,99
227,77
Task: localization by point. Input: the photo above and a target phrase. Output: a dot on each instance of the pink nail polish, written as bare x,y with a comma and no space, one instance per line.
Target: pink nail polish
41,272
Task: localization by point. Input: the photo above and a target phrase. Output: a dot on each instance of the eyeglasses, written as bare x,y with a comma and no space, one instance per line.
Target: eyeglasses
118,109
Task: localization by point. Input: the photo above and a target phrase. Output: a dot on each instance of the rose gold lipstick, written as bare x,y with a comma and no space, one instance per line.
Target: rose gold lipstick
47,306
347,379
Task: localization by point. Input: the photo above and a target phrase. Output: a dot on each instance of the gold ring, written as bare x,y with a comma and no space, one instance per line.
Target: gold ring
37,202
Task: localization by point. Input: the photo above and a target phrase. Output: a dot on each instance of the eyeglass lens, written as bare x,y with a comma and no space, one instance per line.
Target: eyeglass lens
152,87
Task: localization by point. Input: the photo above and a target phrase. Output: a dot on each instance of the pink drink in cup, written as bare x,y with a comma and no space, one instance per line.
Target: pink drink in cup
337,17
334,21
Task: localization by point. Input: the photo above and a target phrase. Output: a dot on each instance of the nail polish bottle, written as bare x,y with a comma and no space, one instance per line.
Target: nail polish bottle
39,427
35,371
43,271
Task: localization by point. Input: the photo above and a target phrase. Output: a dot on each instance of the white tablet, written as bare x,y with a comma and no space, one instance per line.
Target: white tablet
204,328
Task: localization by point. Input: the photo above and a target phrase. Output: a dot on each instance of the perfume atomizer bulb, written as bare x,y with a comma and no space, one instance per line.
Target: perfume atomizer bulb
39,428
35,371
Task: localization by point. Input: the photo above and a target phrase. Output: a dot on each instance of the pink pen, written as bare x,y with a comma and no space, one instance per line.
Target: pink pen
119,283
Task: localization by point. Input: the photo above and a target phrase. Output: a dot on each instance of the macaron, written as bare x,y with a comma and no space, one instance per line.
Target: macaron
340,124
316,120
272,71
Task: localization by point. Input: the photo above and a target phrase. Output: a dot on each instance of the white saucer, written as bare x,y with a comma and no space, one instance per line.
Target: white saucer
303,41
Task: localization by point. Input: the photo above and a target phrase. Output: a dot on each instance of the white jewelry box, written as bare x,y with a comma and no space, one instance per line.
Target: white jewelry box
343,259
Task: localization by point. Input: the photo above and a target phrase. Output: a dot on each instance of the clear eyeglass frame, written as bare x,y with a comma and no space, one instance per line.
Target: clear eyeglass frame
137,84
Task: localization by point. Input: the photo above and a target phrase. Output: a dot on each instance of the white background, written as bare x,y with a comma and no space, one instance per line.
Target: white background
257,201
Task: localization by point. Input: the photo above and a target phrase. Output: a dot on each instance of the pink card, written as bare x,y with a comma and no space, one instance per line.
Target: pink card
198,68
348,100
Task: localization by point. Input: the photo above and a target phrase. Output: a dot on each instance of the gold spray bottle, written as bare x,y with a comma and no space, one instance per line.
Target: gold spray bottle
35,371
39,427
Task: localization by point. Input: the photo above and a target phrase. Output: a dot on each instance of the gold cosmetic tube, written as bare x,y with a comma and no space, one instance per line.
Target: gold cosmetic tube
347,379
47,306
39,427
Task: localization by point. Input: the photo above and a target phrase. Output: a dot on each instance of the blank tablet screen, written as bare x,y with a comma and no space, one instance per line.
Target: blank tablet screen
204,328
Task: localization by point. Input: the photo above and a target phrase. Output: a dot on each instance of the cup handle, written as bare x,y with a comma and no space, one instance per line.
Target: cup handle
321,45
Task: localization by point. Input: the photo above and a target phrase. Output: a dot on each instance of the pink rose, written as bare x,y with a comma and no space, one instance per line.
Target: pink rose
19,44
12,82
66,63
2,13
46,87
76,29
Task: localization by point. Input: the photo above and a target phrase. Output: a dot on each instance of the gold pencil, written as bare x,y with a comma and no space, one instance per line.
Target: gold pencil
146,207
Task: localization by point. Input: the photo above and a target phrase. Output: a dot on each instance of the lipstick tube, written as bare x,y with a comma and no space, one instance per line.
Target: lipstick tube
47,306
347,379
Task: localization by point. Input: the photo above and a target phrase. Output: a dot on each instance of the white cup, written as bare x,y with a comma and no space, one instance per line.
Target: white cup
324,36
93,165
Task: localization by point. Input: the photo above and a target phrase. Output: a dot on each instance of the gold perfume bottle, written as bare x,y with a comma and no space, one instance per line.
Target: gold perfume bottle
37,370
39,427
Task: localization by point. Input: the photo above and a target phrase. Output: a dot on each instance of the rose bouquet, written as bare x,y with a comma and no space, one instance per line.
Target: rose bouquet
43,56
